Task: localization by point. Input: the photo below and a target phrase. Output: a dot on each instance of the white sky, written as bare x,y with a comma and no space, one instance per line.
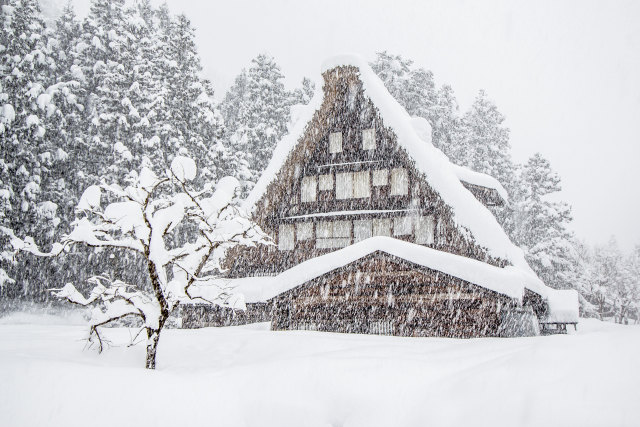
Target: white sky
566,74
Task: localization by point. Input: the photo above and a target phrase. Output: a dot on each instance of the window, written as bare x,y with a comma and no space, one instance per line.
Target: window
399,182
382,227
333,234
361,229
402,226
335,142
344,185
369,139
309,185
425,230
361,188
325,182
304,231
380,177
285,237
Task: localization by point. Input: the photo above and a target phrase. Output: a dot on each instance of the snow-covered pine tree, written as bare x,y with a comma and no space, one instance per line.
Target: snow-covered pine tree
30,190
446,123
191,122
412,87
541,224
303,94
484,145
260,114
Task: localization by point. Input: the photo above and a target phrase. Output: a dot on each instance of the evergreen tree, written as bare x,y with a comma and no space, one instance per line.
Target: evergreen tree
541,224
259,109
484,145
446,123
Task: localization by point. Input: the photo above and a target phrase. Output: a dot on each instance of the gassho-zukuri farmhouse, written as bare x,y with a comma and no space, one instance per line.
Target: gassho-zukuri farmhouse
377,232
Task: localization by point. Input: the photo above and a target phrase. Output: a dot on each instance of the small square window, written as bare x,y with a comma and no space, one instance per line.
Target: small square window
382,227
304,231
380,177
369,139
325,182
344,185
402,226
361,229
335,142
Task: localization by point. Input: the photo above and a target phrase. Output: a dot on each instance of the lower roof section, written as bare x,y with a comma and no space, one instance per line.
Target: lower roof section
510,281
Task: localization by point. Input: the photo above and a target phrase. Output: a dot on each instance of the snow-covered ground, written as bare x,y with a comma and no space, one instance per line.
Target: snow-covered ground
250,376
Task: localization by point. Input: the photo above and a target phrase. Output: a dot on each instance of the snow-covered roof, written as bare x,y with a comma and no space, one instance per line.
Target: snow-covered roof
414,135
480,179
509,281
563,306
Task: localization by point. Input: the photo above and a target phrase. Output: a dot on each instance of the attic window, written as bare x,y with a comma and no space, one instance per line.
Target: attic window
380,177
369,139
425,230
335,142
325,182
309,185
285,237
399,182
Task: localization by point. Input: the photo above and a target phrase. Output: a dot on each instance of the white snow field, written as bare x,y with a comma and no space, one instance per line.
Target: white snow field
250,376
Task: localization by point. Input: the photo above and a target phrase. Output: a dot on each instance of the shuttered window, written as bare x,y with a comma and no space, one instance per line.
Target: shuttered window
369,139
309,187
286,237
344,185
425,230
335,142
361,187
382,227
333,234
325,182
380,177
304,231
362,229
399,182
402,226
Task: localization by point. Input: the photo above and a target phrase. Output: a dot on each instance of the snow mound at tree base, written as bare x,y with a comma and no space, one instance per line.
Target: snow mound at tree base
250,376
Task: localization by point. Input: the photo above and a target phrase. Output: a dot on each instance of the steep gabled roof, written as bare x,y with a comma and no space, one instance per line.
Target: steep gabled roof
414,136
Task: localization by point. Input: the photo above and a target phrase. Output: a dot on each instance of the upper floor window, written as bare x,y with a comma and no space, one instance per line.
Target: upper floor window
335,142
362,229
333,234
369,139
344,185
325,182
380,177
304,231
361,188
399,182
308,190
402,226
382,227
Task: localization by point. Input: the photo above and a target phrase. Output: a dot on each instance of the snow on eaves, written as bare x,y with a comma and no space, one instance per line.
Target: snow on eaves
481,179
414,135
509,281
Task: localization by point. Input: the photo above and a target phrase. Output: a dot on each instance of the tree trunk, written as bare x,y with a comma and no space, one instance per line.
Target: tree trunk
153,336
